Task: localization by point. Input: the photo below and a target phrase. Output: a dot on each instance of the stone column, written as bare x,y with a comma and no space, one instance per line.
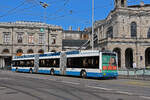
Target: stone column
123,59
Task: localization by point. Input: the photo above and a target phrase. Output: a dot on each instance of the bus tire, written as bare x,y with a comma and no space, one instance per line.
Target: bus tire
30,71
52,72
83,74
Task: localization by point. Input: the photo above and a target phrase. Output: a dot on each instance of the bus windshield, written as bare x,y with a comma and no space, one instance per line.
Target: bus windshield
109,61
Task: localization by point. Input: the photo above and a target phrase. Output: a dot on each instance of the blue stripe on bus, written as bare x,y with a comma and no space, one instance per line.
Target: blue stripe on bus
23,70
110,74
56,72
44,71
13,69
51,54
73,73
90,74
72,52
48,71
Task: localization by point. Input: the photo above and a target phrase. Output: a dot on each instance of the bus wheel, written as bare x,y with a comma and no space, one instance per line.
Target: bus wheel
30,71
52,72
83,74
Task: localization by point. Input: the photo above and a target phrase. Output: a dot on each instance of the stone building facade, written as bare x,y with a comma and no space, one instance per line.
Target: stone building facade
74,39
21,37
126,30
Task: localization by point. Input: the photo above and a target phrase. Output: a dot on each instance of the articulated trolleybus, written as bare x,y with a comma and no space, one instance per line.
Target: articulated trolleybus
87,63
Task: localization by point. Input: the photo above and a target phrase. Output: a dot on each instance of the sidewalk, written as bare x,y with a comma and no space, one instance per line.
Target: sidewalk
133,77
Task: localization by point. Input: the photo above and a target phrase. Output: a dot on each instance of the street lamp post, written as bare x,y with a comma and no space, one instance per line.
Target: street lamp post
92,25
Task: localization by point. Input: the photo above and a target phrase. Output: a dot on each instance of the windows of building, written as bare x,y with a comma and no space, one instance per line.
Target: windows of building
53,41
30,39
5,51
129,58
122,3
148,33
133,29
147,57
19,52
6,37
41,39
20,37
41,51
30,51
110,32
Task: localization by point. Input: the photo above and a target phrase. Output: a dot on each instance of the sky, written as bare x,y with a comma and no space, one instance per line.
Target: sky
65,13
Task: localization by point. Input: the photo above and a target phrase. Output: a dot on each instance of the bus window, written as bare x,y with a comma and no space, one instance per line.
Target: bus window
84,62
22,63
42,63
109,61
54,63
69,63
112,61
31,63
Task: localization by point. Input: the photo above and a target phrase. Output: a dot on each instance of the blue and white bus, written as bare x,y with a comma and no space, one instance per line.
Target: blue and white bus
87,63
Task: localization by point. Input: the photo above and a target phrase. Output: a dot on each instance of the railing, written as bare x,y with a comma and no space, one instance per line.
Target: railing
142,74
136,71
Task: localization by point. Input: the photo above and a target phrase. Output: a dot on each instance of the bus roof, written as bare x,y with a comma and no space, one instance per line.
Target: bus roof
68,53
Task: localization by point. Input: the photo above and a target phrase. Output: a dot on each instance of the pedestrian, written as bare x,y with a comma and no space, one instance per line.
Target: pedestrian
134,67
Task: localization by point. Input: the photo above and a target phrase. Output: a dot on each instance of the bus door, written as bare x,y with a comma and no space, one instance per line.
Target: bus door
36,63
63,61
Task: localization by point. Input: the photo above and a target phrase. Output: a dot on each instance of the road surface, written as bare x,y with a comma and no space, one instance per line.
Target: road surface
25,86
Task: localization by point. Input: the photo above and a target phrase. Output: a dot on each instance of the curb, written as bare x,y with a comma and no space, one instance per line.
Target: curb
134,77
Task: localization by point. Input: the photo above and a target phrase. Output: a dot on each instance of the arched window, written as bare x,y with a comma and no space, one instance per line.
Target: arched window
41,51
53,51
116,3
147,57
122,3
30,51
5,51
110,32
133,29
148,33
118,51
129,58
19,52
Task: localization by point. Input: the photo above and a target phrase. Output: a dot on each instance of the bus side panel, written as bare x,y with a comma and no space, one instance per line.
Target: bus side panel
73,71
13,69
89,72
92,74
23,69
47,70
20,69
44,71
